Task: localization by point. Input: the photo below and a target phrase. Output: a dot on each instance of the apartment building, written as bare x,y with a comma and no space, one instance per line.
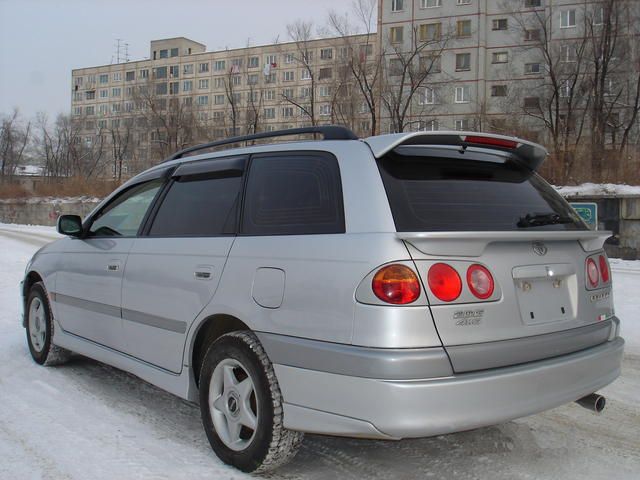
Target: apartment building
211,95
493,59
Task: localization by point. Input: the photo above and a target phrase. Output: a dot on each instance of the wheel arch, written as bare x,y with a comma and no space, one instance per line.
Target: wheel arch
212,328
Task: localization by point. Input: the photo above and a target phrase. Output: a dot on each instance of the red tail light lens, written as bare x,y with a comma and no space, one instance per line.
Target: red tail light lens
444,282
396,284
592,273
491,141
604,269
480,281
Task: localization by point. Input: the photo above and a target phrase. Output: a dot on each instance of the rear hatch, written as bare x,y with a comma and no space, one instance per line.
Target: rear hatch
501,255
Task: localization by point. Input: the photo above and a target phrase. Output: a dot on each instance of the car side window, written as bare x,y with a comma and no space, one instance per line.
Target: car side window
123,216
293,194
200,205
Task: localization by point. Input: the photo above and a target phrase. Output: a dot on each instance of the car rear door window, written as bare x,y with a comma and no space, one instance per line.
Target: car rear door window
200,205
431,193
293,194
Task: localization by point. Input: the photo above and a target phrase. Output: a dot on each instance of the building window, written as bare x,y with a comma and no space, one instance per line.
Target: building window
161,72
565,89
253,79
568,53
325,110
463,2
287,93
463,62
430,3
499,91
174,71
90,110
428,96
271,60
102,109
430,63
462,94
174,52
115,107
270,95
128,106
130,76
532,35
203,67
104,78
289,76
326,53
202,100
203,83
104,93
116,92
288,58
567,18
499,24
218,100
164,53
144,73
532,3
90,95
187,101
270,113
396,34
500,57
117,77
218,82
287,112
77,96
397,5
219,65
254,62
305,75
187,69
532,103
187,86
462,125
174,88
271,78
305,92
161,88
78,80
325,73
395,67
325,91
531,68
430,32
236,80
429,126
463,28
598,15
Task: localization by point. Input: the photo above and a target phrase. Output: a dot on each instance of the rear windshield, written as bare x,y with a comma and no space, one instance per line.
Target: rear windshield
429,193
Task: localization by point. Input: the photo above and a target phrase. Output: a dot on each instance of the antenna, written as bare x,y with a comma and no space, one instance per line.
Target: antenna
121,51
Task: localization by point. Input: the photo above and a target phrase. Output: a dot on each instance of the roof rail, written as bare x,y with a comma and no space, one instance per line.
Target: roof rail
329,132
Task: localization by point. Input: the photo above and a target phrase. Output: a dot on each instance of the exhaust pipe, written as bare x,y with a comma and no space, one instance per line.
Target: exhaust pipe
593,402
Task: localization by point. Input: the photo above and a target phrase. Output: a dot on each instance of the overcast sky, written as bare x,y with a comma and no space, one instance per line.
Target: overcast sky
42,40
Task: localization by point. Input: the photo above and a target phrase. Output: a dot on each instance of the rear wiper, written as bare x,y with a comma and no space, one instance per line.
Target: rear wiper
540,219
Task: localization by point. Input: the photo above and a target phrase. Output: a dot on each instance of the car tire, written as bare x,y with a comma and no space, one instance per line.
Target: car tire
238,391
40,327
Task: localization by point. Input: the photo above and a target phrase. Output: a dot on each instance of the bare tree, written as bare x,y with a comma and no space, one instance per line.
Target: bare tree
300,33
408,67
364,63
14,138
121,145
255,103
234,100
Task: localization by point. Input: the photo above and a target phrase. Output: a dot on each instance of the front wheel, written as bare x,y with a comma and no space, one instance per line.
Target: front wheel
39,320
241,405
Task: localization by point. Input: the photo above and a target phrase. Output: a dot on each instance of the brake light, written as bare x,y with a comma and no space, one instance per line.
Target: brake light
480,281
491,141
592,273
396,284
604,269
444,282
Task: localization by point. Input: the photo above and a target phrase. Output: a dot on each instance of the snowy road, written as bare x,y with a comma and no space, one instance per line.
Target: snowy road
88,420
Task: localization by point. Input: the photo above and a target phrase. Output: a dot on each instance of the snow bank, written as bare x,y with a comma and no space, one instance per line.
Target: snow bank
599,190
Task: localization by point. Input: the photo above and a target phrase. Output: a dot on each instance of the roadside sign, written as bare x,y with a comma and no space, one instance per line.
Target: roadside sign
588,212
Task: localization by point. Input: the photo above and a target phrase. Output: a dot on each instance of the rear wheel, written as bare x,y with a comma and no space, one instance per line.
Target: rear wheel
39,321
241,405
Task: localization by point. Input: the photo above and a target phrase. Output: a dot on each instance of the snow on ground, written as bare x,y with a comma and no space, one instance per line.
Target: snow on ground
598,189
88,420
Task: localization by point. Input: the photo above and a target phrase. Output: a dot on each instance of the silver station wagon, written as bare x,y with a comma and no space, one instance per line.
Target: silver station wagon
399,286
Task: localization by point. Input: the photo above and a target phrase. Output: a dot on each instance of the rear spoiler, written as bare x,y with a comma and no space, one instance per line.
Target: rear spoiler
473,244
530,154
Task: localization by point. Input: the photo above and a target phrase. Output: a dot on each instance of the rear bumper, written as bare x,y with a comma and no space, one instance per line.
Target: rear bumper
336,404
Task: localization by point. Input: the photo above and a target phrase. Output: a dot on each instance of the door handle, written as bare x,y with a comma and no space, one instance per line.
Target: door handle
113,267
203,272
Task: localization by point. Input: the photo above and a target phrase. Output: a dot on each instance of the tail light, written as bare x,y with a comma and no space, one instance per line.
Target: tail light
396,284
593,276
444,282
491,141
604,269
480,281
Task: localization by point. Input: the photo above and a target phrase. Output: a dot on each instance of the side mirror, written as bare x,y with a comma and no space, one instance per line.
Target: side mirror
70,225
